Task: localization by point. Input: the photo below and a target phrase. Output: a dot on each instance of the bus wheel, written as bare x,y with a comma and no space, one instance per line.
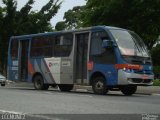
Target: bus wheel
99,86
54,85
39,84
65,87
45,87
128,90
3,84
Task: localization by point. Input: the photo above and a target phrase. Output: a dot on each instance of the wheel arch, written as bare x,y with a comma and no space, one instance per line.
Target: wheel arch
94,75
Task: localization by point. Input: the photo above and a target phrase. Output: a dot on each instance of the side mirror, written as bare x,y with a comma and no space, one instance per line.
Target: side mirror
107,44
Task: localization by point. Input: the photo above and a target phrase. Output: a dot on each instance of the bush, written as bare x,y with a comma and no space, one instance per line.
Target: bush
156,82
156,70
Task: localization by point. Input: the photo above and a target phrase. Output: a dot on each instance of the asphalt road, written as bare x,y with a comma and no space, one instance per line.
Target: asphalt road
53,104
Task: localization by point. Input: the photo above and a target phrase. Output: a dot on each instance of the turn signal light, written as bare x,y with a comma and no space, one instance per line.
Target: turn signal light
90,65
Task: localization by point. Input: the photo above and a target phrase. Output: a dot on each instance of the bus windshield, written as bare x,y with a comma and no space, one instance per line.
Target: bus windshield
130,43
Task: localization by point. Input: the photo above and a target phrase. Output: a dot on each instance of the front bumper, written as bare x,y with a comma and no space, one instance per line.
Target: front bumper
126,78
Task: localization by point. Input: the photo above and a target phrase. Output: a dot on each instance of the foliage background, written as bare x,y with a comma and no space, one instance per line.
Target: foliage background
15,22
141,16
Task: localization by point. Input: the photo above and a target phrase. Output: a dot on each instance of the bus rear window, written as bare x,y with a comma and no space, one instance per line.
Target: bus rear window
14,49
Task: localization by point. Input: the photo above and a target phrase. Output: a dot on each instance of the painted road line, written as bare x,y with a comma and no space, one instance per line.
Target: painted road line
12,112
82,90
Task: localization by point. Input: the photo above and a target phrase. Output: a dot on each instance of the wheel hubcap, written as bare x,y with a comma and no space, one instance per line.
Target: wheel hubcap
38,82
99,85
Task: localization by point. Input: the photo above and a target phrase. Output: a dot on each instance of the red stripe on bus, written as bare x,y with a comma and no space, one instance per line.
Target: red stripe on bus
30,68
129,66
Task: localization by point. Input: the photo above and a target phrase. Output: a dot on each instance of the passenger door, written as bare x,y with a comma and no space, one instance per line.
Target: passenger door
23,60
12,73
82,40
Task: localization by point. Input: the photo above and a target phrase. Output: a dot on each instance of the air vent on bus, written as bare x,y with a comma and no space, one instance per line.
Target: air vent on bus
143,72
138,80
141,62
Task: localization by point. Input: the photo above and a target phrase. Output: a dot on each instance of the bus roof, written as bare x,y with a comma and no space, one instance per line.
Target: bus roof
65,31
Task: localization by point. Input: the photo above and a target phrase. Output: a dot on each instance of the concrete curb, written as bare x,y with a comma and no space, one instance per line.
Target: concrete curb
140,89
149,89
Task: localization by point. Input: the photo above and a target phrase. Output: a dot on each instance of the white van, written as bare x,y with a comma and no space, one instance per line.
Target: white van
2,80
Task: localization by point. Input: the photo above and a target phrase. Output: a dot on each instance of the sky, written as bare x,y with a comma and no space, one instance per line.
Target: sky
66,5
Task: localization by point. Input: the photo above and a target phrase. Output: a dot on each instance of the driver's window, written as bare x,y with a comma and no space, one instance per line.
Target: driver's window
98,53
96,42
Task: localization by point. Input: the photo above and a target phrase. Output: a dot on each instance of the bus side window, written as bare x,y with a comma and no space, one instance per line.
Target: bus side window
41,46
63,45
14,49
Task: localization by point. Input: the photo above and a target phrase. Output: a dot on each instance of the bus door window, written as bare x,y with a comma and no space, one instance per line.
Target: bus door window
81,57
13,68
98,54
23,60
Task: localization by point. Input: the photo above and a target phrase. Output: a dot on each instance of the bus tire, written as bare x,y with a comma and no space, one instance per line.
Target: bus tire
3,84
99,86
65,87
39,83
128,90
45,87
54,85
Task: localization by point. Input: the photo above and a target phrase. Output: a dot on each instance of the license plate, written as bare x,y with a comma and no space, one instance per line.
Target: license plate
144,77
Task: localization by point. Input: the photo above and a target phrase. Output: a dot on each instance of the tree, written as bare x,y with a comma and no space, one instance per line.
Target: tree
155,53
156,60
73,17
60,26
22,22
140,16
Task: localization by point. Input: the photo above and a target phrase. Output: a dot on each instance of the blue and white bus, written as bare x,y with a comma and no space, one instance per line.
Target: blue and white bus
106,58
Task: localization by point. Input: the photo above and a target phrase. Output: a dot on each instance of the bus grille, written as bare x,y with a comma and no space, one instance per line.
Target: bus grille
141,62
143,72
138,80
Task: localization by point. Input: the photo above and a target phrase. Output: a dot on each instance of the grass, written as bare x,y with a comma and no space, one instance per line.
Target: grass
156,82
